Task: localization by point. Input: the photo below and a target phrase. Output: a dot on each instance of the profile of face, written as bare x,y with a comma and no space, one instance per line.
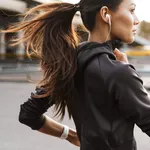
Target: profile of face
124,21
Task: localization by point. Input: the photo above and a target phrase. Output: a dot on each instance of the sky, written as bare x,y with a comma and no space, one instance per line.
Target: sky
142,9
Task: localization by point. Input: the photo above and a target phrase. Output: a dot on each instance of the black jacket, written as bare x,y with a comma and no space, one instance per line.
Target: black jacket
110,100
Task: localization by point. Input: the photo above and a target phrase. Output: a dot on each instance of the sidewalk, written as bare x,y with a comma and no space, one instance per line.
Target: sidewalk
27,72
14,78
17,72
26,77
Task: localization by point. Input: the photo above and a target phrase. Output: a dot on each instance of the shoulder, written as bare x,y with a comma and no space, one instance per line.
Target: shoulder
123,70
125,73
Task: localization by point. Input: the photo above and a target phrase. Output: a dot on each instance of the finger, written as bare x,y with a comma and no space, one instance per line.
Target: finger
117,52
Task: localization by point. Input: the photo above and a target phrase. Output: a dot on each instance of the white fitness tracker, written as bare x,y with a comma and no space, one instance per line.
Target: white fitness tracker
65,132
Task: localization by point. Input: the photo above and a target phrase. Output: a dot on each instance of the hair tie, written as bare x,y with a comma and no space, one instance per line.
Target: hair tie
77,7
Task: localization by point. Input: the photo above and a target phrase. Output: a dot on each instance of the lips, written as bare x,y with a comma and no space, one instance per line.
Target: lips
134,31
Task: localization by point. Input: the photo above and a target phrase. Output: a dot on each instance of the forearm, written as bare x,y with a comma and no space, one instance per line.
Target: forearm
51,127
54,128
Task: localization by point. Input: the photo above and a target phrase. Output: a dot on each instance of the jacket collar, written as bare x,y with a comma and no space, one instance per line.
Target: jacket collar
86,51
110,45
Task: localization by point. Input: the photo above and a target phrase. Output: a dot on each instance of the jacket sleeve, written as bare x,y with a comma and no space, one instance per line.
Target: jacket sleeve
31,112
132,98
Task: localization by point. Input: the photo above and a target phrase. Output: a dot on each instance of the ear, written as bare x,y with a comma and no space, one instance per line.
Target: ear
105,14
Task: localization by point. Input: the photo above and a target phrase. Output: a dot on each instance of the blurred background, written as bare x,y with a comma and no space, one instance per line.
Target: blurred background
16,69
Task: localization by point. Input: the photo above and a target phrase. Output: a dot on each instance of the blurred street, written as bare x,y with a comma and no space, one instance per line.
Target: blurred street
15,136
25,71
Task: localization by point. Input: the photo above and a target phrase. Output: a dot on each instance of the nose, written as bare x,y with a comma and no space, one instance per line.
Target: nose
136,20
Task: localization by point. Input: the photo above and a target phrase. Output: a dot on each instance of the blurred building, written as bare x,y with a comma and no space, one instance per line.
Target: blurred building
9,10
8,15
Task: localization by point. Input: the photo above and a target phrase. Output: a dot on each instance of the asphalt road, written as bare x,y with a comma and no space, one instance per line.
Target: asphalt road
15,136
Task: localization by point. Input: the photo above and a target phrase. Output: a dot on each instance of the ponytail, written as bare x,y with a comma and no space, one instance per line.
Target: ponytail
51,37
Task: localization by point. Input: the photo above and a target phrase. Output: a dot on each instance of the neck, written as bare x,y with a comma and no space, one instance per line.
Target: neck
100,36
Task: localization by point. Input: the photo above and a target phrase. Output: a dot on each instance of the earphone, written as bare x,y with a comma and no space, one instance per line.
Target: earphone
109,22
108,18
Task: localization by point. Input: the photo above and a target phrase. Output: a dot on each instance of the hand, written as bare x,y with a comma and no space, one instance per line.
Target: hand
73,137
121,56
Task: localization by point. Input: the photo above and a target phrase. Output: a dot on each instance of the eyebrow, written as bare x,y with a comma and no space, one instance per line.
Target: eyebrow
133,4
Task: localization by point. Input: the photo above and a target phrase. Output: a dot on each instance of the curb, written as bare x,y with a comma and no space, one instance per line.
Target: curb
26,79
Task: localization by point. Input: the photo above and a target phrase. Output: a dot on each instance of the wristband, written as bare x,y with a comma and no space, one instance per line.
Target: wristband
65,132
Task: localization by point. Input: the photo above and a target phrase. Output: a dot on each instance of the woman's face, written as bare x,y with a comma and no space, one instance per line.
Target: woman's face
124,22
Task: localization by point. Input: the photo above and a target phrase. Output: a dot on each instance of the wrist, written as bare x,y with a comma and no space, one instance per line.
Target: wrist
65,132
72,134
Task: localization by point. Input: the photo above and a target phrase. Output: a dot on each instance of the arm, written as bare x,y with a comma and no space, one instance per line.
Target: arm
54,128
31,114
133,100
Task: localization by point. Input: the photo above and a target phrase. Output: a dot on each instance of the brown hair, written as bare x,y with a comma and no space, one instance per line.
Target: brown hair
50,35
89,9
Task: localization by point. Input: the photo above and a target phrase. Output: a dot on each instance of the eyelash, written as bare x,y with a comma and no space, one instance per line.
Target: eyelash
132,11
